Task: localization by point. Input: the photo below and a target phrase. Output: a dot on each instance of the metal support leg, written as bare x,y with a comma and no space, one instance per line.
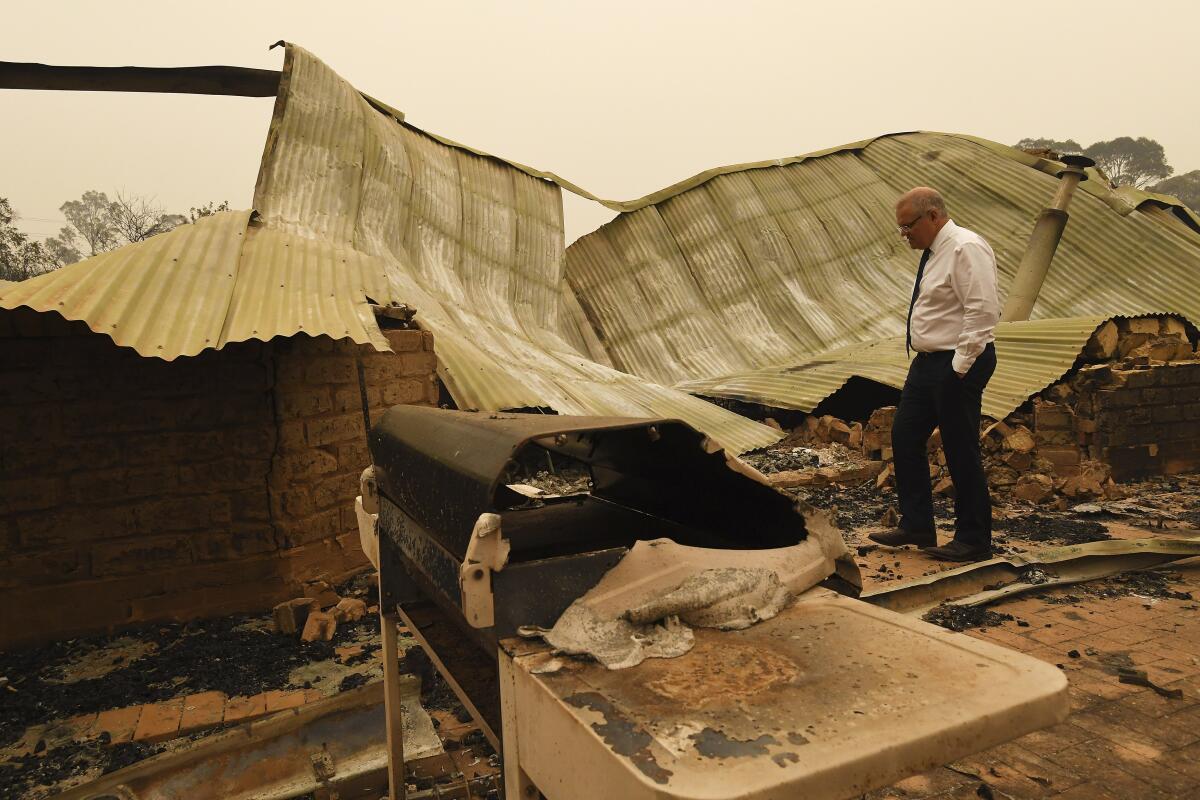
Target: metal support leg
517,785
392,707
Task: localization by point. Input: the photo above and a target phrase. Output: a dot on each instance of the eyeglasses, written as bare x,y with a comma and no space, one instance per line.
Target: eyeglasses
912,223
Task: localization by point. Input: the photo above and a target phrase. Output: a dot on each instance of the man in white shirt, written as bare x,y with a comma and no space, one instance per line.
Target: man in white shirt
951,319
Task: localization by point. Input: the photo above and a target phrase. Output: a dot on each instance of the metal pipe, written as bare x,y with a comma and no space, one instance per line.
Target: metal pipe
1043,242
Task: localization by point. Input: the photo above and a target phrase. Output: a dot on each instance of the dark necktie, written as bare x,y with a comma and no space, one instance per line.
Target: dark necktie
913,302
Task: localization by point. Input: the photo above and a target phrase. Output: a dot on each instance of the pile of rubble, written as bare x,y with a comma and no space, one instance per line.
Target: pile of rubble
316,615
1130,408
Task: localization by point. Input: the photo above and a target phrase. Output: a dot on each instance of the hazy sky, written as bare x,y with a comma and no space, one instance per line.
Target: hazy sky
621,97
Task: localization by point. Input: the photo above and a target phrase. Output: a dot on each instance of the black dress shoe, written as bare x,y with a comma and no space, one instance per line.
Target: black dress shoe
955,550
899,536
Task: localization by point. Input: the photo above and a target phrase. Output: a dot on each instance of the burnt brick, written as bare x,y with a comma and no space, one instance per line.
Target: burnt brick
150,448
332,369
405,341
1133,461
224,475
290,435
349,398
1156,396
73,525
47,566
1065,459
140,554
1107,399
336,491
1143,379
421,363
323,525
229,545
29,494
1062,438
354,456
307,402
1052,417
1167,414
1185,394
1180,374
20,460
328,430
405,391
303,465
182,514
1180,456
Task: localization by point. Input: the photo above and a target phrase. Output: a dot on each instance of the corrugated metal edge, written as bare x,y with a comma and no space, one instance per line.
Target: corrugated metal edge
204,285
164,297
1031,356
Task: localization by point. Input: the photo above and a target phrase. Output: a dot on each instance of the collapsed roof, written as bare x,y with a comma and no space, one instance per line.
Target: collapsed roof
771,282
776,282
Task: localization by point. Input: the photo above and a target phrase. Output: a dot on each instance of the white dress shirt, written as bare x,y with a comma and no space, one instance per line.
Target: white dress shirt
957,308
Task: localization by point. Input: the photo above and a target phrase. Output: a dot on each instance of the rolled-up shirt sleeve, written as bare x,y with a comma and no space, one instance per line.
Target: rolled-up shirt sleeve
973,278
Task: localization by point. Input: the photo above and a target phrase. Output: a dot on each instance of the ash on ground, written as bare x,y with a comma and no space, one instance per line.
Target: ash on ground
1053,528
959,618
1150,584
770,460
239,655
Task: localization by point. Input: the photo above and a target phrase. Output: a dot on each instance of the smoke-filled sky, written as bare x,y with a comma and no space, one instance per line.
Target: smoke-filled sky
620,97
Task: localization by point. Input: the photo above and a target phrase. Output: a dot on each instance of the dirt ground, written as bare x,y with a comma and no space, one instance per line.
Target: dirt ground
1122,741
46,745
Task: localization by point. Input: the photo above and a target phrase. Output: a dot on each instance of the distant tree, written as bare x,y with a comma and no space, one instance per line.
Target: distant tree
206,210
1126,161
135,218
1130,162
1053,145
89,220
64,248
20,258
96,224
1186,187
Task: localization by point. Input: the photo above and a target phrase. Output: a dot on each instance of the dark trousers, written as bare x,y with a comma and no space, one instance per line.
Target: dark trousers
934,396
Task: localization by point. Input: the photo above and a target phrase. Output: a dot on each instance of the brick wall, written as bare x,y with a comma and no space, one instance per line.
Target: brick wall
133,489
322,446
1144,421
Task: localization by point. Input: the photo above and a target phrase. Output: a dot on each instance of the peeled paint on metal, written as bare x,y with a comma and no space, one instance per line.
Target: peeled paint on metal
763,268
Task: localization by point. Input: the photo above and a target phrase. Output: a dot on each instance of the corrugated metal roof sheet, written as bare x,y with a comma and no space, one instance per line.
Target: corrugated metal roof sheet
736,284
1029,357
219,280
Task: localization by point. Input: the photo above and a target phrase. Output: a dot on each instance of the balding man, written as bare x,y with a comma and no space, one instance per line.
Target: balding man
951,318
